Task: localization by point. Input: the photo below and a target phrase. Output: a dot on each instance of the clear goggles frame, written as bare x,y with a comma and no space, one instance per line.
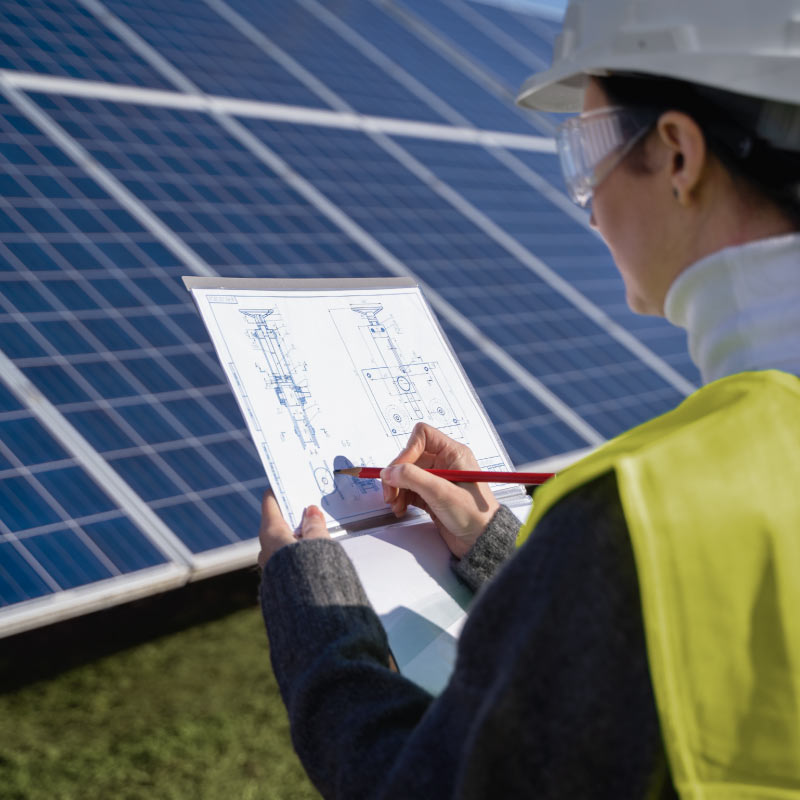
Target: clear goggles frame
593,143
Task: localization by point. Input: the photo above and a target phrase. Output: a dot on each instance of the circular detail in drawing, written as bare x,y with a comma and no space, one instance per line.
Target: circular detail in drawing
403,384
323,477
397,418
437,407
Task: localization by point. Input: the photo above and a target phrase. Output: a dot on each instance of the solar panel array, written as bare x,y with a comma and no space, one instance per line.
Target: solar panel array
142,140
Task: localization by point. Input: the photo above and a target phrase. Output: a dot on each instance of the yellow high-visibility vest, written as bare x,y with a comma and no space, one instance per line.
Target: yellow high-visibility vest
711,496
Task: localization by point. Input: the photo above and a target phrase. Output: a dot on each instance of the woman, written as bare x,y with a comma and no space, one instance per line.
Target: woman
645,641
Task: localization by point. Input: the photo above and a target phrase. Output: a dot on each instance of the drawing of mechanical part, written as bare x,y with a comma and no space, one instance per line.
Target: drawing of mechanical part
409,394
404,391
323,475
280,375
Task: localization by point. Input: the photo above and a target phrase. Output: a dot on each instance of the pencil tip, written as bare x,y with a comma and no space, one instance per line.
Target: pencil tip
347,471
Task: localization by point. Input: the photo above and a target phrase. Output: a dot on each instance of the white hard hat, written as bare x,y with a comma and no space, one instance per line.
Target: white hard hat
743,46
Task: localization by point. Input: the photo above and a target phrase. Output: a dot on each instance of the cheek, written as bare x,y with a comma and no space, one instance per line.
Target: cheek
625,230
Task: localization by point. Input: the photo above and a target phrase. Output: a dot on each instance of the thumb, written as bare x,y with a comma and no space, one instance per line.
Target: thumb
312,525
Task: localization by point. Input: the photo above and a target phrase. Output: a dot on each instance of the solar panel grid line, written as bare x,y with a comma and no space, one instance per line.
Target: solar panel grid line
553,279
118,490
396,267
508,43
380,59
259,109
258,38
125,198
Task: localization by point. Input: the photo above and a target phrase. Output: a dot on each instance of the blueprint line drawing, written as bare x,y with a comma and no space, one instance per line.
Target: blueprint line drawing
285,376
279,375
404,387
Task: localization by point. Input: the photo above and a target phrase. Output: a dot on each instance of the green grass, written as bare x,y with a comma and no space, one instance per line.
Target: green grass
192,713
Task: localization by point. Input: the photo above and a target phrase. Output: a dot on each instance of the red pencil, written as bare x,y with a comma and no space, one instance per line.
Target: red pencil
459,476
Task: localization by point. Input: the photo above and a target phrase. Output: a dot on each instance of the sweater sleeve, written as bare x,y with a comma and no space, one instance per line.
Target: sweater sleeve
550,696
490,551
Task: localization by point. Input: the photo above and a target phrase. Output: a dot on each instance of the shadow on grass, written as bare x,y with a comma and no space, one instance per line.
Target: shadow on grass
46,652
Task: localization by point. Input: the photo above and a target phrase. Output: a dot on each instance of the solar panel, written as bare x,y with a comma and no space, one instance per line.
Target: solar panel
143,140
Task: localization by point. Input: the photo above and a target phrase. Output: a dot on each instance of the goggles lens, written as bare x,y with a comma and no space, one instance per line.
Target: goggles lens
592,144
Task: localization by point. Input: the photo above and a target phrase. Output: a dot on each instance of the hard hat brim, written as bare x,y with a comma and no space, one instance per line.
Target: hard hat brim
561,87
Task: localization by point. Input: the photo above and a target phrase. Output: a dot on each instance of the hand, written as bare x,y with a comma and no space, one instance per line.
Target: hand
460,511
274,532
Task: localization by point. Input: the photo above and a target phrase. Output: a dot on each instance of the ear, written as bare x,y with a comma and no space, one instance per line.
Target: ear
688,154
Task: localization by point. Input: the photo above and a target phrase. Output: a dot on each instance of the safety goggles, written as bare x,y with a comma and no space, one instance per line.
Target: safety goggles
593,143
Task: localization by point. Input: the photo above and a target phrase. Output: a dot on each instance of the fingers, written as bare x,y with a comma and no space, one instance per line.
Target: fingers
432,490
271,516
273,533
427,447
312,525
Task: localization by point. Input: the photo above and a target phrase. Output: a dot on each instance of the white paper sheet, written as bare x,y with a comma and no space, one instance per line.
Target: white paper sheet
334,378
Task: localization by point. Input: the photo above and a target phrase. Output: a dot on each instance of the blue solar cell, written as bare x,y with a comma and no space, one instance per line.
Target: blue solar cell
18,579
104,380
462,93
110,334
67,559
22,507
195,371
188,463
239,456
240,510
201,531
536,34
56,384
211,52
196,419
31,255
100,430
151,375
473,42
64,337
30,442
124,545
60,37
149,423
17,342
77,494
148,480
7,400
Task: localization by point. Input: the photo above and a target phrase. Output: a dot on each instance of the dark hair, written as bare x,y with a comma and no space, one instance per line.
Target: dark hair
728,122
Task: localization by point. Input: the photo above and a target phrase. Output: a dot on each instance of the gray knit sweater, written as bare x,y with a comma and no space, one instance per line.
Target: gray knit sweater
550,697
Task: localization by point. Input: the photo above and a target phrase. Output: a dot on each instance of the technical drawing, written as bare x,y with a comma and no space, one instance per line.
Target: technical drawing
404,390
279,374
